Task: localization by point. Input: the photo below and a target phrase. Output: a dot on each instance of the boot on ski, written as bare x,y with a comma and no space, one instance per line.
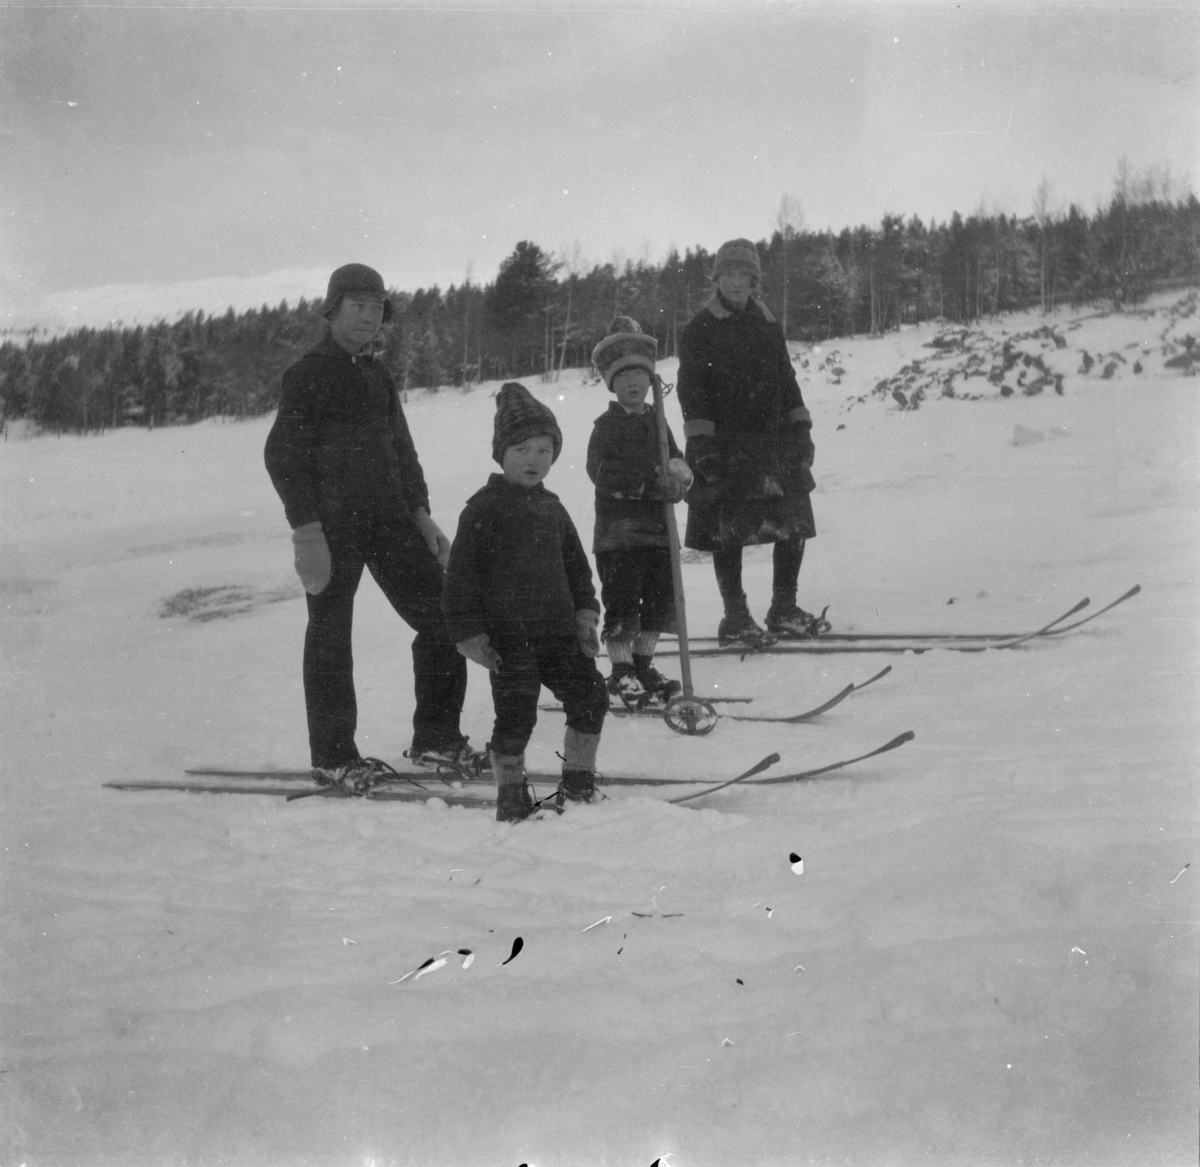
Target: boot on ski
790,622
354,777
740,629
578,786
579,768
625,685
457,757
658,688
514,803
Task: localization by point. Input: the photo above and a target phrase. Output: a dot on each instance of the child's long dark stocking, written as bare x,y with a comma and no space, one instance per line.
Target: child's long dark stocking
727,563
787,557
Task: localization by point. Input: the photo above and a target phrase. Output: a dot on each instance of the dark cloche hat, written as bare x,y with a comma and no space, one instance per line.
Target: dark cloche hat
734,253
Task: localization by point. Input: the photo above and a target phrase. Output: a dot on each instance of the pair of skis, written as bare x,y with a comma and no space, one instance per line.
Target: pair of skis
407,786
875,642
794,719
920,642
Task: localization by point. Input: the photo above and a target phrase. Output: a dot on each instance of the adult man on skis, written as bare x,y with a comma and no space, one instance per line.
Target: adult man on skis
342,459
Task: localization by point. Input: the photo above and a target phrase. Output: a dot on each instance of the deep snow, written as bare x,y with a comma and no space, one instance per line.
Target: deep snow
991,955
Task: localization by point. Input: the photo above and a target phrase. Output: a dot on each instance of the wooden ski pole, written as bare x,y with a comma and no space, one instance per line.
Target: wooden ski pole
687,713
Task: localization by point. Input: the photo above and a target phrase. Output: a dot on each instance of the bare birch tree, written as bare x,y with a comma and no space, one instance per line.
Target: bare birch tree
789,222
570,260
1042,215
466,357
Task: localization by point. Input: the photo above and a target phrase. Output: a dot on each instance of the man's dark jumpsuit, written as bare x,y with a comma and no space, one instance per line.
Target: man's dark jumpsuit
340,453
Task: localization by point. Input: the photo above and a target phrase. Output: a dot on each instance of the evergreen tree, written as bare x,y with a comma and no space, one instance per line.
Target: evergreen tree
515,305
540,315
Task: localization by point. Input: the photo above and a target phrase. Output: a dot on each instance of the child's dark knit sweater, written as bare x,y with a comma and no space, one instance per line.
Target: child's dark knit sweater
623,462
517,567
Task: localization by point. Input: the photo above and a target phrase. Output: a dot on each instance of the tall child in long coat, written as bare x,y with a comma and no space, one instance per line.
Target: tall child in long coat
749,441
633,557
519,601
342,460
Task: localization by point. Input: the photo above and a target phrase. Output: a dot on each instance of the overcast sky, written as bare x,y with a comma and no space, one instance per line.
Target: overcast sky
160,144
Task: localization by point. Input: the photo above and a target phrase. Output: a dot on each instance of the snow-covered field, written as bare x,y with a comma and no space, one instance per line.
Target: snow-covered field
990,957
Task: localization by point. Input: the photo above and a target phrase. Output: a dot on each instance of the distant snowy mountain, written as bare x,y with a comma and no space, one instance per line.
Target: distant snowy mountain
132,304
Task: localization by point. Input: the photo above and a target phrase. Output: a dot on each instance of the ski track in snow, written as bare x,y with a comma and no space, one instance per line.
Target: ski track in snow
990,957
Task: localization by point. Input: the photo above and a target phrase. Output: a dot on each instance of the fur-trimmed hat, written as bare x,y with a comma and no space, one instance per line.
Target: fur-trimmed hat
355,279
737,251
625,347
520,415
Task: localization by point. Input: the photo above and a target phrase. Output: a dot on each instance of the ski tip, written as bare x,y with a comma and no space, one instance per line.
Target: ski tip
871,680
765,764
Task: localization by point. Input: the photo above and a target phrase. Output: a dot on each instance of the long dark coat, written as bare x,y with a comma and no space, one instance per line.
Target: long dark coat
737,386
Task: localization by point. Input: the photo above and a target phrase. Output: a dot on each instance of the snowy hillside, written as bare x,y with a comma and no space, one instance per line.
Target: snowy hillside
990,957
134,304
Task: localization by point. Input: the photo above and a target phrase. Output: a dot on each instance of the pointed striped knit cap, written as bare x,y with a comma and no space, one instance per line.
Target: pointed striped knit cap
520,415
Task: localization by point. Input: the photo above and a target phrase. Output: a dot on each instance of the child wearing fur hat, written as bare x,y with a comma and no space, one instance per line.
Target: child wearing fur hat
631,546
519,601
342,460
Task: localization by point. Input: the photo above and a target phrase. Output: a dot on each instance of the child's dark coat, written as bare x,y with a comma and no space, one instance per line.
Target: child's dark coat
518,572
517,566
623,461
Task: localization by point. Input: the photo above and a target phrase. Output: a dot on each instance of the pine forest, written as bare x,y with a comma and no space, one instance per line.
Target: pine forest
545,311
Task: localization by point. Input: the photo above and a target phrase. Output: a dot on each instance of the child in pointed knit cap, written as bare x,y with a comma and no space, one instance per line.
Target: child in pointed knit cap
631,543
519,601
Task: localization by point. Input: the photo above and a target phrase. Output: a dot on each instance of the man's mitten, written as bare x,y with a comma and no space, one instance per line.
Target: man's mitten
586,623
479,649
435,540
312,557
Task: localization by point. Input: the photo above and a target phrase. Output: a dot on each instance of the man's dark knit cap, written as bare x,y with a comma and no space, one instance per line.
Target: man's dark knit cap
355,279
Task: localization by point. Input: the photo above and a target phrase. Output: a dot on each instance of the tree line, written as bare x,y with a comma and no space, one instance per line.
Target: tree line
545,311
